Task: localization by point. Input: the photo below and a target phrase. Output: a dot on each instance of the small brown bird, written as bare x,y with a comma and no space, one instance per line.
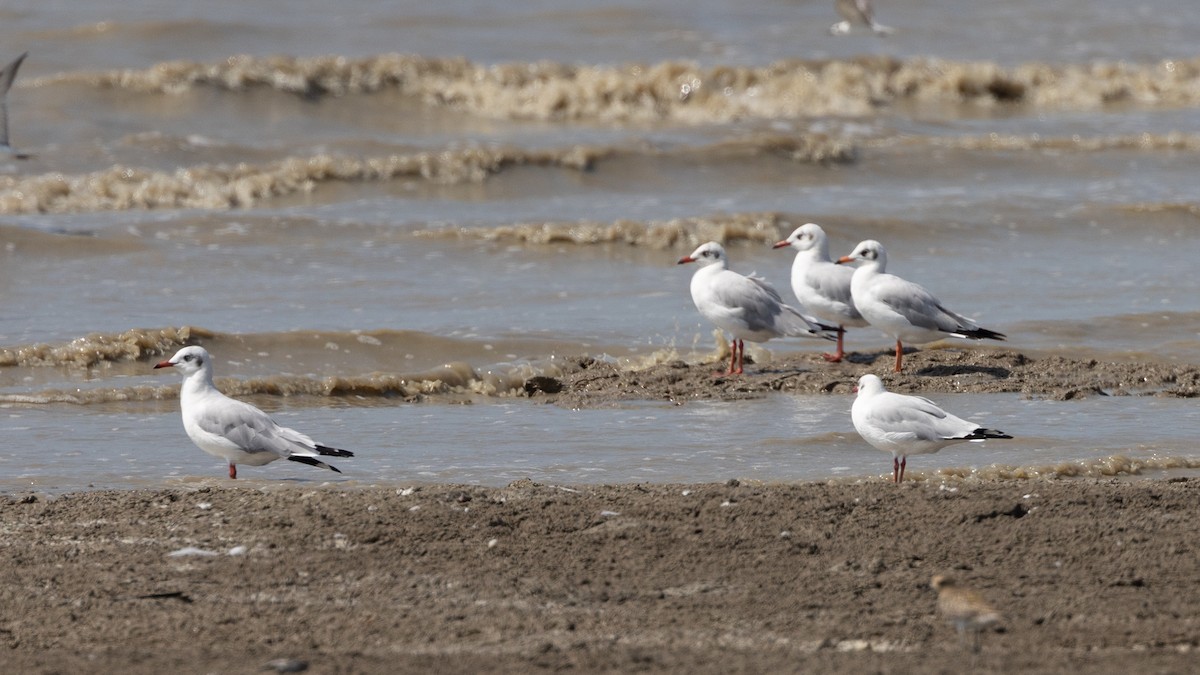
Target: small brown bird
964,608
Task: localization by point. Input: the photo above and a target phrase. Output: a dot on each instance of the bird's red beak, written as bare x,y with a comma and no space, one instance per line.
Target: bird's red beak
845,259
164,364
781,244
686,259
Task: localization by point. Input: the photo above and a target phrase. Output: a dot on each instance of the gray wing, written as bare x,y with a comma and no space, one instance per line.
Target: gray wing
784,318
919,306
854,11
833,282
916,416
6,80
252,430
758,300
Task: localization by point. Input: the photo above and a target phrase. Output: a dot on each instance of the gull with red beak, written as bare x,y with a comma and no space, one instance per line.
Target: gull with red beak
821,285
904,310
747,307
235,431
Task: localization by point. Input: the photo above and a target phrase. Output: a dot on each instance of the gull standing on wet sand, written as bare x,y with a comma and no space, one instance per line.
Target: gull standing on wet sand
904,310
964,608
747,307
857,12
232,430
821,285
908,425
6,80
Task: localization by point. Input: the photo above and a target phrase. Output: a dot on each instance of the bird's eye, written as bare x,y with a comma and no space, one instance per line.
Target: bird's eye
189,357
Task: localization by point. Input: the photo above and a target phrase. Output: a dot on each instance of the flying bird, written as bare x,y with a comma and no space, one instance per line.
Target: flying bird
747,307
232,430
821,285
904,310
857,13
908,425
6,80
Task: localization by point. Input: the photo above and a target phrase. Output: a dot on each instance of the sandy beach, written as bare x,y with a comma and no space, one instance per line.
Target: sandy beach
444,236
1092,575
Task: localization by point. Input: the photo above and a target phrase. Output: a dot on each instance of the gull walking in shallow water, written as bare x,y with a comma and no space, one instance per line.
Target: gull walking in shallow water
964,608
6,80
908,425
747,307
900,308
821,285
857,13
232,430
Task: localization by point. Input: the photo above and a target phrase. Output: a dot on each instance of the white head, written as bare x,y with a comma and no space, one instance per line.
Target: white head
869,384
708,254
189,361
808,237
870,252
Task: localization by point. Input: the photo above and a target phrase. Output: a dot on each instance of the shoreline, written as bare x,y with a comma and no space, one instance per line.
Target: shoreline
718,577
946,367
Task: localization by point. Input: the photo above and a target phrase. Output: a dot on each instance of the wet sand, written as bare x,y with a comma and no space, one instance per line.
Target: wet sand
587,382
1089,574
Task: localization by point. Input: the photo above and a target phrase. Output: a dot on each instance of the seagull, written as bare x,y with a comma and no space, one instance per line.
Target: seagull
964,608
908,425
232,430
821,285
747,307
900,308
858,12
6,79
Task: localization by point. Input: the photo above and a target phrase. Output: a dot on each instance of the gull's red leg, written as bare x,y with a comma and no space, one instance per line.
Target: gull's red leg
837,358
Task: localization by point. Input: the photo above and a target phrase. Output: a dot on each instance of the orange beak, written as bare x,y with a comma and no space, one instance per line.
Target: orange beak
781,244
164,364
844,259
686,259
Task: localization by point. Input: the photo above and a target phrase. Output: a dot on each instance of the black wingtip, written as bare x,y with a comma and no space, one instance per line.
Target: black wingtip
988,433
313,462
983,334
333,452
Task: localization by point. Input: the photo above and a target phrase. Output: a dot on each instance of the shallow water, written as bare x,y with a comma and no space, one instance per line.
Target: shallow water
341,195
781,438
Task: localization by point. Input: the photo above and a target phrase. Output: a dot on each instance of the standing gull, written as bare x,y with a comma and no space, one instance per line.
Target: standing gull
821,285
6,80
857,12
908,425
232,430
747,307
964,608
904,310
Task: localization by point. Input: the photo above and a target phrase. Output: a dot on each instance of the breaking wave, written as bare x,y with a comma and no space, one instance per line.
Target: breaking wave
759,228
243,185
452,379
1100,467
97,348
675,91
